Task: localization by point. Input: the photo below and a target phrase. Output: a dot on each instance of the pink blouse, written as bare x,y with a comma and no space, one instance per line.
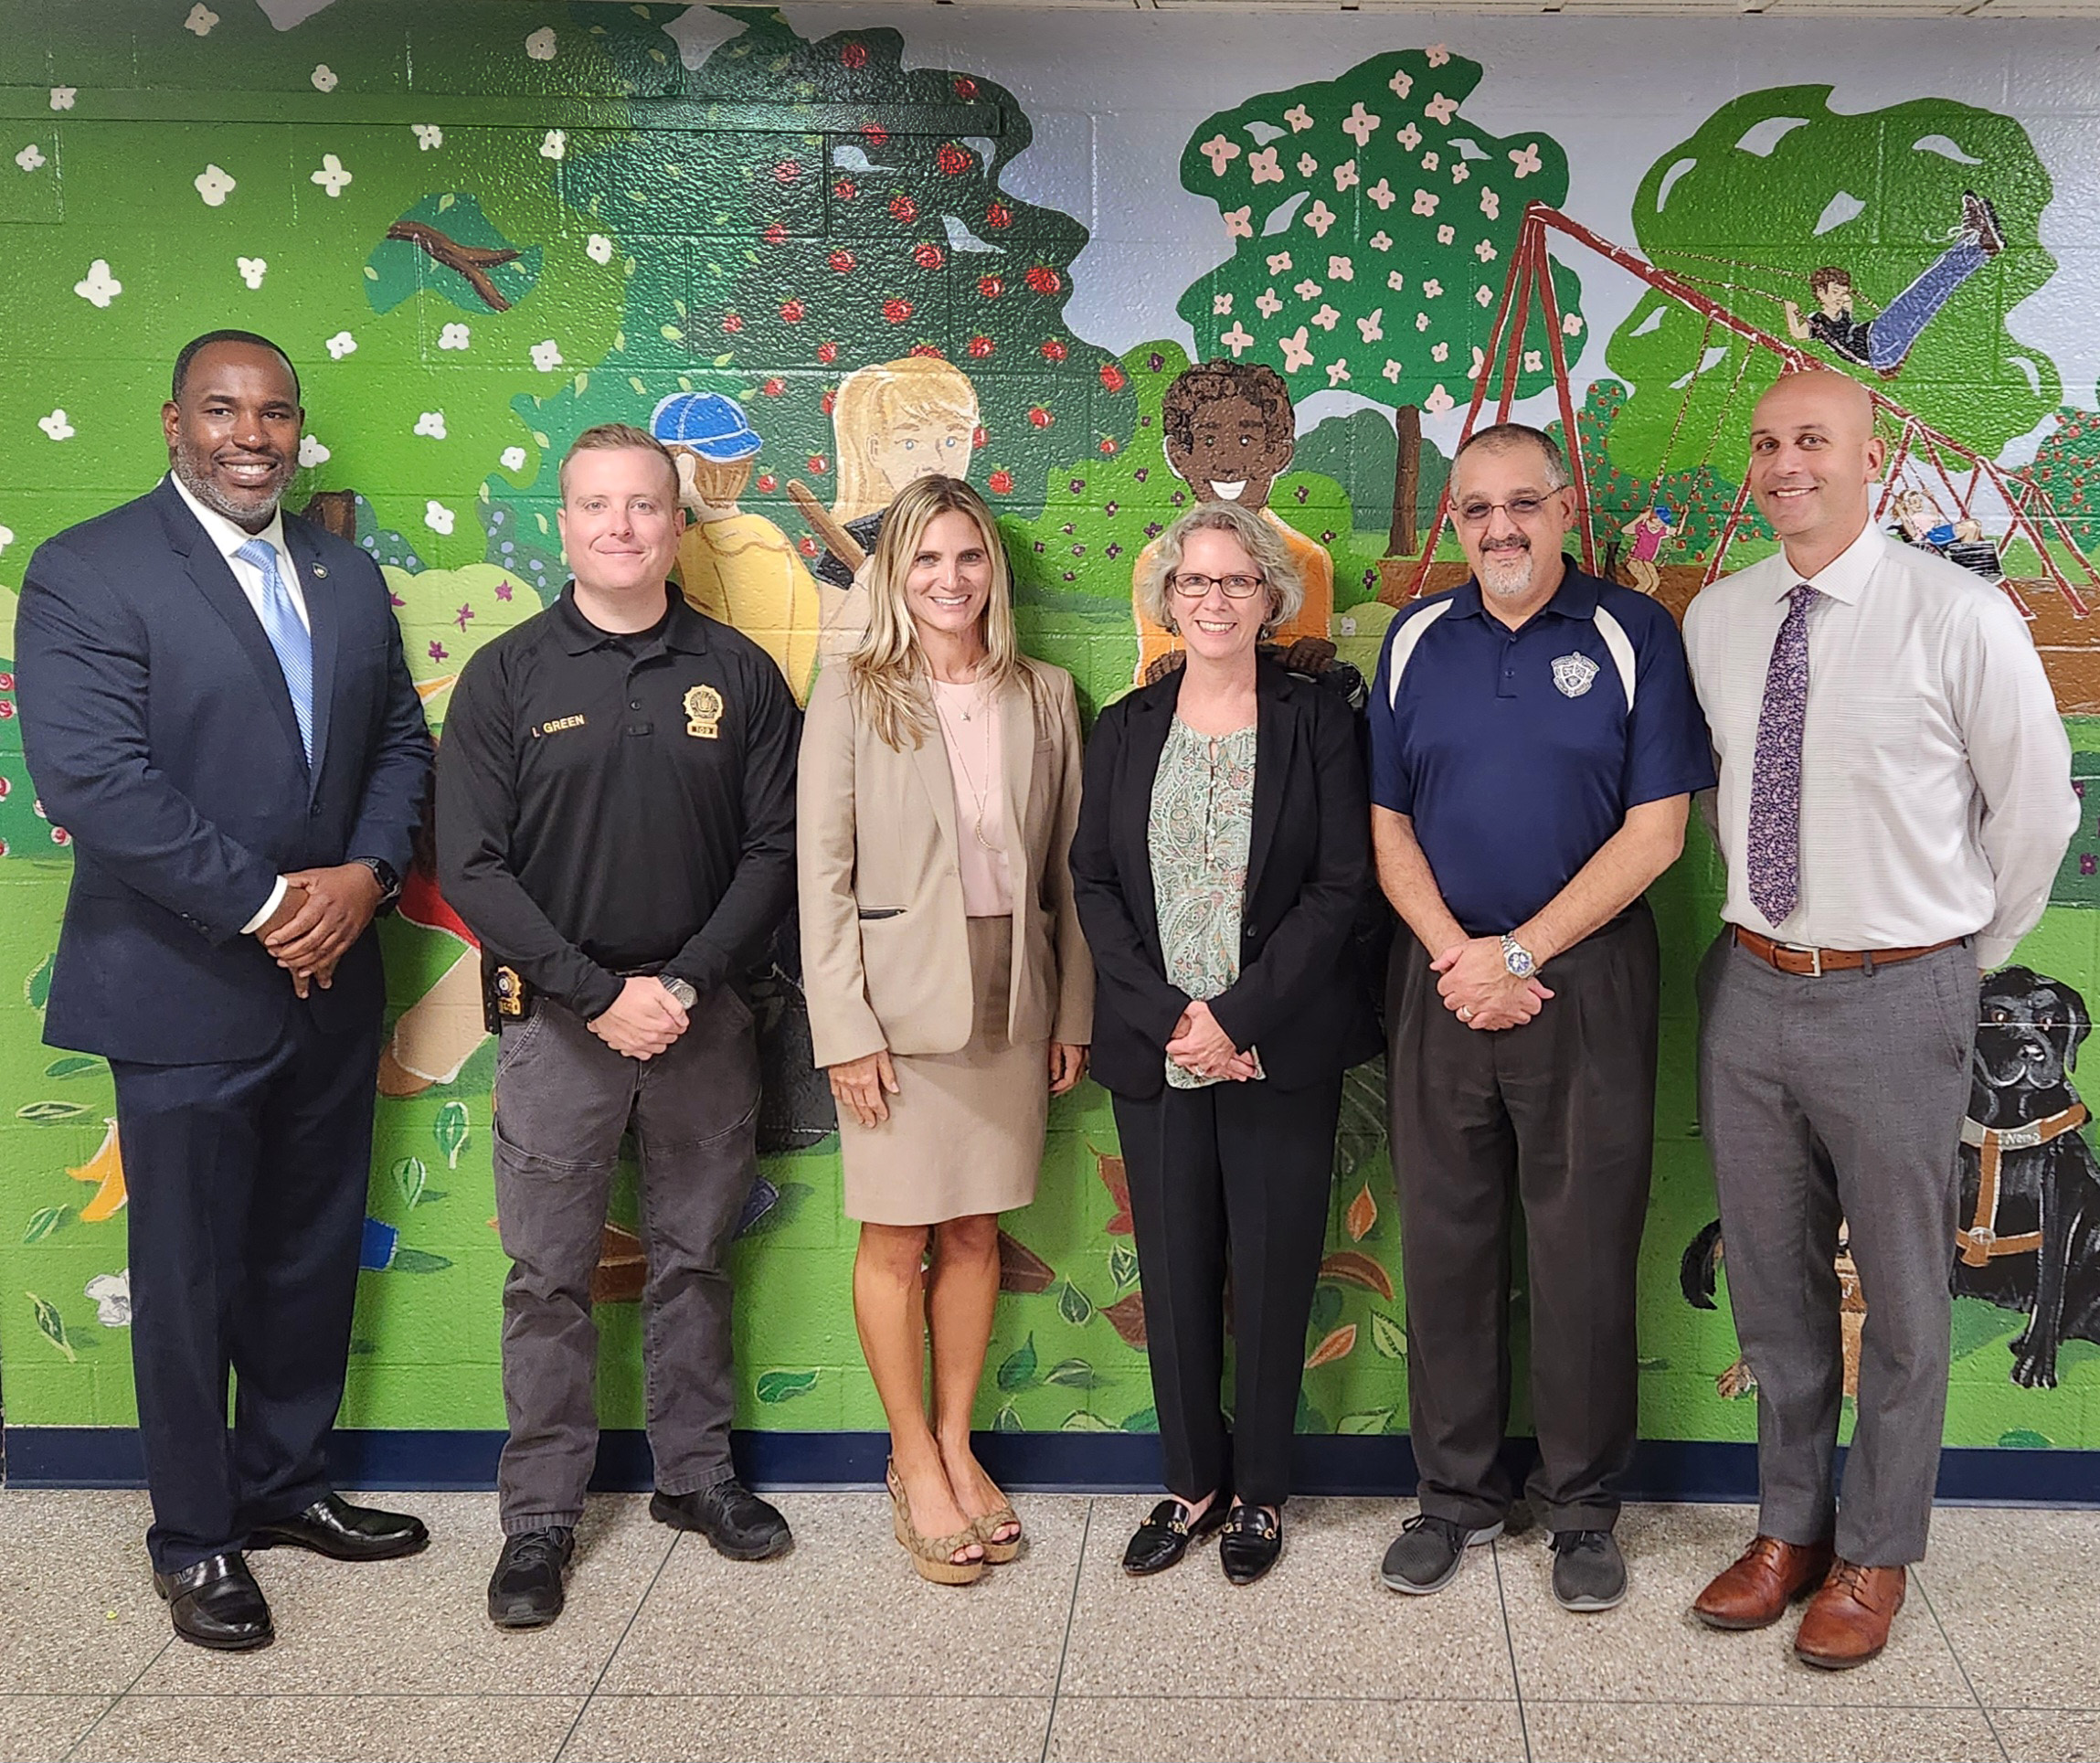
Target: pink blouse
969,731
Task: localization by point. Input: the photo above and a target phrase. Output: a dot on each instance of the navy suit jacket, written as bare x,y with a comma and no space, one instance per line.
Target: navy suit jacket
160,735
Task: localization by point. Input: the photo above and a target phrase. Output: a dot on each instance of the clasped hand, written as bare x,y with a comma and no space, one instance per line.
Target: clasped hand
324,912
642,1021
1200,1046
1478,987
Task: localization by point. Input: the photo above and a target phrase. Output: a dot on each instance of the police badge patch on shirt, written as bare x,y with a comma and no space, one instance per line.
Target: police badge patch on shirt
704,713
1573,674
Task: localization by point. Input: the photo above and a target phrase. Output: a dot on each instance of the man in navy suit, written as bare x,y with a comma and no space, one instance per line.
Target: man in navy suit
215,705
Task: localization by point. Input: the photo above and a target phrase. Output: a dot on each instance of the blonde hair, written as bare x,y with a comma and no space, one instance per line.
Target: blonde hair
869,400
1272,562
613,437
887,674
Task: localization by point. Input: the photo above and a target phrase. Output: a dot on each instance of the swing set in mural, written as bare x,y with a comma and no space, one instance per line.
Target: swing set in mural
1943,495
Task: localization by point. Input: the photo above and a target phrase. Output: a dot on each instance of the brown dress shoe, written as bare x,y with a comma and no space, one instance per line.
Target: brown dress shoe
1847,1622
1755,1591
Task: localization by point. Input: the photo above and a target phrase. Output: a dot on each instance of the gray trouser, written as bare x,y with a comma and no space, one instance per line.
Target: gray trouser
564,1099
1822,1100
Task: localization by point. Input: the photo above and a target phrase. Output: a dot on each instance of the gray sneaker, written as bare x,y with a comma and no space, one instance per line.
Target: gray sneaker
1426,1554
1589,1573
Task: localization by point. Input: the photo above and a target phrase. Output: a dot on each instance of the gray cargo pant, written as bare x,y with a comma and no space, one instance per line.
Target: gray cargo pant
564,1099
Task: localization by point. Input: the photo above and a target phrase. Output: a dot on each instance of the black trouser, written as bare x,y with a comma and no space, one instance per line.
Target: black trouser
247,1182
1237,1172
1561,1112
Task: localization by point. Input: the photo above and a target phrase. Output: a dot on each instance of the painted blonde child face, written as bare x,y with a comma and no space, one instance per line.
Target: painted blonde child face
915,447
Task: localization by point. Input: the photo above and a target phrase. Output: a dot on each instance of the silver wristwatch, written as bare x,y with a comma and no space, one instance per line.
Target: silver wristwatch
681,990
1517,958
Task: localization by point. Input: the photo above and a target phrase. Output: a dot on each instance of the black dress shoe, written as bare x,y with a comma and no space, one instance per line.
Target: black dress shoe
1165,1536
217,1604
730,1516
333,1527
1249,1544
524,1592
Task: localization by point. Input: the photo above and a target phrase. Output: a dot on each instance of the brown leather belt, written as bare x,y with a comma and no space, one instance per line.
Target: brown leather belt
1813,963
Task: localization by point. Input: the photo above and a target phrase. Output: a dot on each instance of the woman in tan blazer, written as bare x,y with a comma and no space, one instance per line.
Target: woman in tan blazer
950,990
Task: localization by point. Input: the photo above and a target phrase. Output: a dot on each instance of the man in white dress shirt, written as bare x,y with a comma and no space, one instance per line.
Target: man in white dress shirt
1895,798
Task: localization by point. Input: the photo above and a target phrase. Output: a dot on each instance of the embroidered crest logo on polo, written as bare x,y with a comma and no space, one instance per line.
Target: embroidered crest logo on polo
1573,674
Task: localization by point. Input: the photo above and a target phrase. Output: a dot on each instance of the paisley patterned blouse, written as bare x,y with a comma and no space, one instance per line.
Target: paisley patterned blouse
1201,820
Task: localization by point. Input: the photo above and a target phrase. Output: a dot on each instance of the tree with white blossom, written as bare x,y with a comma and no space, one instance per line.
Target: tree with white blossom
1371,226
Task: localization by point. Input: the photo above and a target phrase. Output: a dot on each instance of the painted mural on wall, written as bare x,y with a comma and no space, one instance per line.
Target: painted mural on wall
810,265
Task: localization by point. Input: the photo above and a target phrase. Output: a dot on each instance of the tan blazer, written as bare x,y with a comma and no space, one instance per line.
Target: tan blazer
885,958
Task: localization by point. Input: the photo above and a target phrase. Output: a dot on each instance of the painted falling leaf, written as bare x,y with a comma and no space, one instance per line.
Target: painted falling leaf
1127,1317
1358,1269
106,1169
1119,1185
784,1385
1362,1214
1388,1337
46,1220
1021,1268
451,1132
51,1325
1337,1346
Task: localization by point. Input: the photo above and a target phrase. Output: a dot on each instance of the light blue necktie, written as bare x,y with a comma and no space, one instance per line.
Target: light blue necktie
289,637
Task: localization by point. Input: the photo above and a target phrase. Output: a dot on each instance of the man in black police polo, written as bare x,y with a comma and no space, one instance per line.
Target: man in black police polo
616,813
1534,747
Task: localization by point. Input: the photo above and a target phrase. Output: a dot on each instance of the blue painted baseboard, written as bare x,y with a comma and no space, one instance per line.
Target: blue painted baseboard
108,1457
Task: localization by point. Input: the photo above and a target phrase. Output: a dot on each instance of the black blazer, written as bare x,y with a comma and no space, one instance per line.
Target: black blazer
159,733
1298,997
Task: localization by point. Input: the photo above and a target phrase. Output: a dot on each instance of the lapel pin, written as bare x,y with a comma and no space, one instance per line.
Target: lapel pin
321,569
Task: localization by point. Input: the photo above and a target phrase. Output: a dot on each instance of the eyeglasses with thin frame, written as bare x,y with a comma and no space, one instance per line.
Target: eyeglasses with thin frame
1520,509
1194,586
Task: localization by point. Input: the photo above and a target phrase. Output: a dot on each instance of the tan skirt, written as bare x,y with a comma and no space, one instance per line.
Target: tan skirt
965,1130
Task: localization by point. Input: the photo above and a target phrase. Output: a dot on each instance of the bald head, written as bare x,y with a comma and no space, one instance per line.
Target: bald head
1814,459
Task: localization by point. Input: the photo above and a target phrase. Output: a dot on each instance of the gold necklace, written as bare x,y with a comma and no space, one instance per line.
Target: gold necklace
962,757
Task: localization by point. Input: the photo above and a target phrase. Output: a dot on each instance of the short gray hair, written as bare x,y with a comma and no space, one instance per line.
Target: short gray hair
1506,436
1262,543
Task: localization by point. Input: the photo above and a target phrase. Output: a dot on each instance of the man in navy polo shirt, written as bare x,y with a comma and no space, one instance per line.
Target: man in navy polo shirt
1535,743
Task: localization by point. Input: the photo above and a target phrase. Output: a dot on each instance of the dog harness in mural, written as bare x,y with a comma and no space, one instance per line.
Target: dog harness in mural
1980,1243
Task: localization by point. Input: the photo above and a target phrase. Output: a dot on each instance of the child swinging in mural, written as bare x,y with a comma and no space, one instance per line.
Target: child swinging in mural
1648,530
735,567
1230,433
1883,342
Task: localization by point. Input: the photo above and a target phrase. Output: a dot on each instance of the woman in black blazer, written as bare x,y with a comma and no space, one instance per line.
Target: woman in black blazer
1221,859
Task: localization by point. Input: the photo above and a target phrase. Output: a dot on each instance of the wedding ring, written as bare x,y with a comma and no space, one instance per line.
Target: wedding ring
1465,1013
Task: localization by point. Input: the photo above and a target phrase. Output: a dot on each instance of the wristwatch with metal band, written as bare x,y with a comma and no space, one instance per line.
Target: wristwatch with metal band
1517,958
679,988
389,883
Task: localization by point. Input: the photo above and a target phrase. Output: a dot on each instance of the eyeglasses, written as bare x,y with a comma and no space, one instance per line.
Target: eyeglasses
1519,508
1191,587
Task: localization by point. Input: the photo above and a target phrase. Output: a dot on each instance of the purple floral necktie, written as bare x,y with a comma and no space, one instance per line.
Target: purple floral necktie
1774,858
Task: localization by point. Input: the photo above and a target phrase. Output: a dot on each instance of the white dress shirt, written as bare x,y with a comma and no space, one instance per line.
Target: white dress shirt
1936,774
228,538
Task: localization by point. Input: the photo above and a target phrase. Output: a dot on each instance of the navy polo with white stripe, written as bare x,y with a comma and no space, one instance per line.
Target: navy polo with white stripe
1516,754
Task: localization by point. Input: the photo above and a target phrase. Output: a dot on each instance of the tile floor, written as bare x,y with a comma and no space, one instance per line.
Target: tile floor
668,1651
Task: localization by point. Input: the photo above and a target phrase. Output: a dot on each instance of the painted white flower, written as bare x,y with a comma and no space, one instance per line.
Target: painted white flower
1326,317
62,97
1345,176
6,538
514,459
111,1294
598,248
1239,222
1435,55
429,136
1381,193
1381,240
1307,165
1441,352
1432,289
1337,371
1409,138
1373,329
540,44
215,186
1526,159
1306,290
1236,339
555,147
1339,269
1425,203
1490,205
547,355
438,518
56,426
1439,401
1460,172
200,20
1447,235
1221,153
431,423
98,287
30,158
252,270
1391,370
1485,250
311,452
323,78
1421,320
1480,365
1262,168
1278,261
454,336
331,177
1360,125
1430,162
1221,305
1395,280
1441,108
1483,295
1534,361
1570,324
1401,83
1295,354
1266,303
341,344
1300,119
1320,218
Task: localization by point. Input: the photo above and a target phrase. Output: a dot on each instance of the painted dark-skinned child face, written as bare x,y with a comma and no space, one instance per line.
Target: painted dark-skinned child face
1235,457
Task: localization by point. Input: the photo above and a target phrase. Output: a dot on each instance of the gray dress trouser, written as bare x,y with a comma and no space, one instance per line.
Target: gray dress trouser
1823,1100
564,1099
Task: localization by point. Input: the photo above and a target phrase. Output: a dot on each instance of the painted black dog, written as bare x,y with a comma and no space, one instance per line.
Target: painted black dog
2028,1234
